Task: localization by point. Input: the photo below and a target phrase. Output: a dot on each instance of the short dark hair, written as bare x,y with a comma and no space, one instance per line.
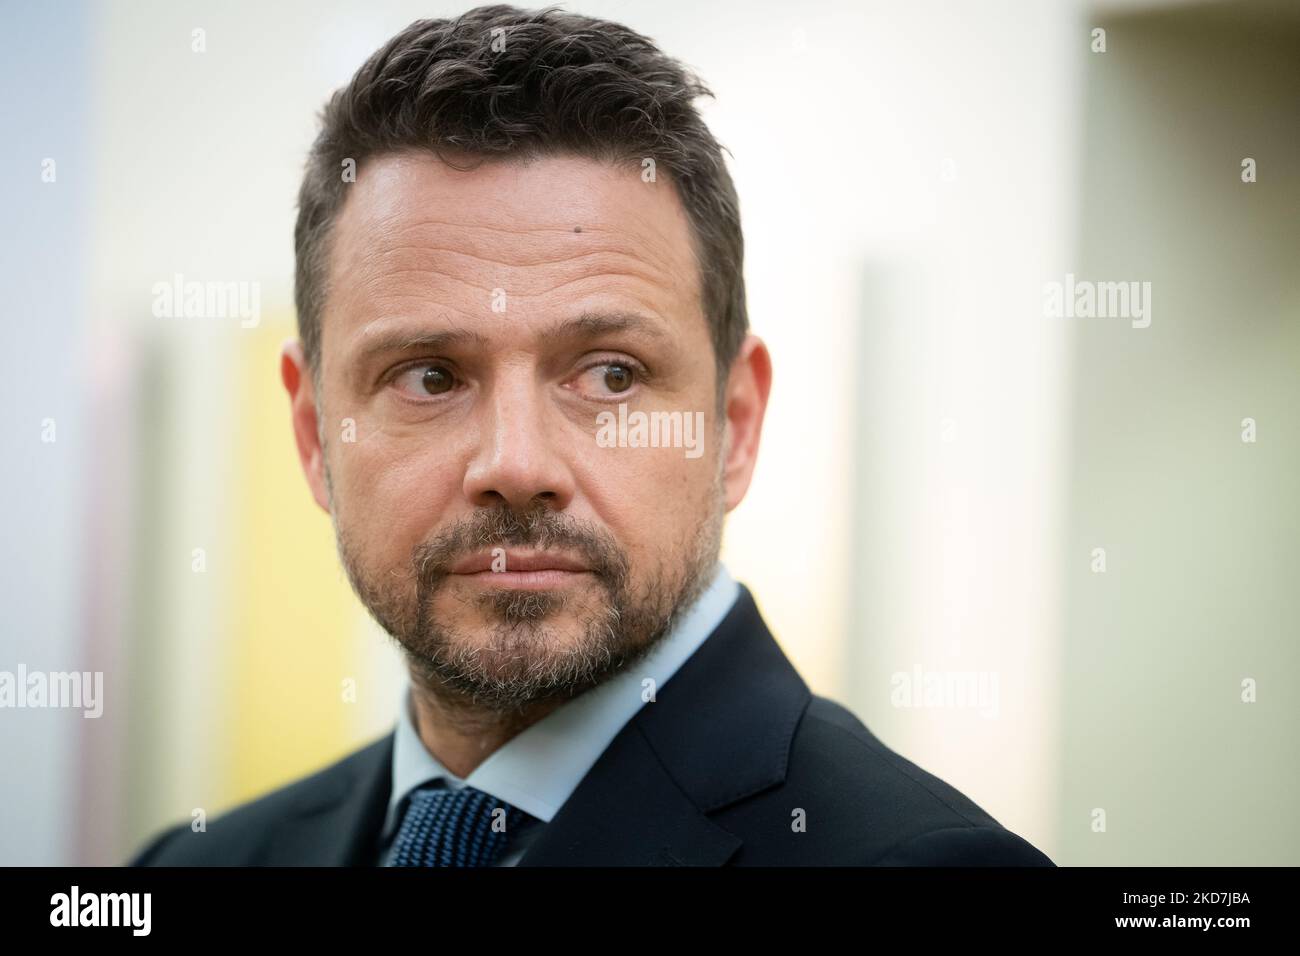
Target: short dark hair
556,83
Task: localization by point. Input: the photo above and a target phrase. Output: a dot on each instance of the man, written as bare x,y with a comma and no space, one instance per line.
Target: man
526,394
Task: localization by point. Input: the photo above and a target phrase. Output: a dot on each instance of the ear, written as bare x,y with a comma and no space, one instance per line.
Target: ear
745,404
296,376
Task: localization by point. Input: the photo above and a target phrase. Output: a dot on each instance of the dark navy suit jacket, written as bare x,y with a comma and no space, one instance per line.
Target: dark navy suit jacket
714,772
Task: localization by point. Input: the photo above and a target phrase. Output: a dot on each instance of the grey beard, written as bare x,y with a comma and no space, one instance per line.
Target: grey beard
528,663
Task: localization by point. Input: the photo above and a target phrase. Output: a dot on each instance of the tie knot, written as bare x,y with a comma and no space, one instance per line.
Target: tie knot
465,827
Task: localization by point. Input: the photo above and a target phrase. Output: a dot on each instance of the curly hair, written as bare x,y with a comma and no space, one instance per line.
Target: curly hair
500,81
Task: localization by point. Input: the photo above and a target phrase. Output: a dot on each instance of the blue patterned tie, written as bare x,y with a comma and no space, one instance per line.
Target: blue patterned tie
453,828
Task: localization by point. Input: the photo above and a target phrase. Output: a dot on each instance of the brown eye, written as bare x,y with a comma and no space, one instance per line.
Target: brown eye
618,378
436,380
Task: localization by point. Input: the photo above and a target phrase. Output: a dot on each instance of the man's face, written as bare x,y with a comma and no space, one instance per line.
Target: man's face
477,324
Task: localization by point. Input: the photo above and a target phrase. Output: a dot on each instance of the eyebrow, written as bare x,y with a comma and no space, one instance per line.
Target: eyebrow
603,323
585,325
405,340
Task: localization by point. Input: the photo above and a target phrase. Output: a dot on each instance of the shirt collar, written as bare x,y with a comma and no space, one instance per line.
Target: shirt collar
539,768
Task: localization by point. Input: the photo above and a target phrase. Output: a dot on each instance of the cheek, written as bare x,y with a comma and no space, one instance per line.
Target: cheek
651,499
393,496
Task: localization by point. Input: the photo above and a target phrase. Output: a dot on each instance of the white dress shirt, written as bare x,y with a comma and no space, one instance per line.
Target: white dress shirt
537,769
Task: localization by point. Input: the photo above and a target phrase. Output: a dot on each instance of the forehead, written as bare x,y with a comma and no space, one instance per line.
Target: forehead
419,241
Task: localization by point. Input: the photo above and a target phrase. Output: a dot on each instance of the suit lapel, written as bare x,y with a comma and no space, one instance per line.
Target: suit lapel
629,812
719,731
337,823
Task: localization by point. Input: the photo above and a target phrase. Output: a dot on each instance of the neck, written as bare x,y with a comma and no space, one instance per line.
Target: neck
460,734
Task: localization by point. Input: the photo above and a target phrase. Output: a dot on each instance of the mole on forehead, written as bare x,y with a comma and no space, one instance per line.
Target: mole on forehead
436,243
594,201
398,231
385,230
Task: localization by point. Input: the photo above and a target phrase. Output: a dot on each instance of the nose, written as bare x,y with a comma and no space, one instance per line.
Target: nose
517,461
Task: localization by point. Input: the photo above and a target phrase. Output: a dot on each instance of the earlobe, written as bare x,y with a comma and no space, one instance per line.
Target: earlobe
297,379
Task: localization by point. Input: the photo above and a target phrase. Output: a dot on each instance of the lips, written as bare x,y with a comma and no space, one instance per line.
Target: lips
517,561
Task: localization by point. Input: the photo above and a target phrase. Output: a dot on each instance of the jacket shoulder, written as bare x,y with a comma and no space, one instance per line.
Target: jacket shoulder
242,835
865,804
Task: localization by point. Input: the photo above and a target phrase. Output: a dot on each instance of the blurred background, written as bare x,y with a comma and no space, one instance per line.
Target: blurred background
1090,524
